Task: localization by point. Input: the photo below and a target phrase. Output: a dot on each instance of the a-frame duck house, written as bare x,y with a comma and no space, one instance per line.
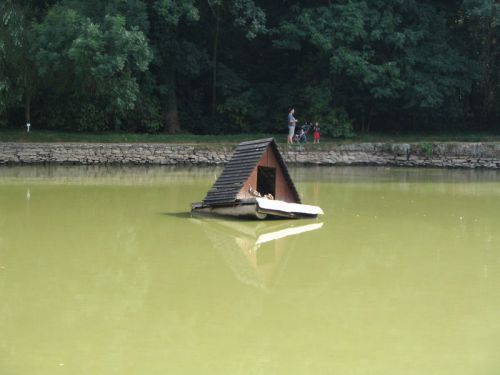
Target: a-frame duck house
255,183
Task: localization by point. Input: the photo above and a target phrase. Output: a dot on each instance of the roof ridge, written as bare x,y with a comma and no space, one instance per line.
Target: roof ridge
263,140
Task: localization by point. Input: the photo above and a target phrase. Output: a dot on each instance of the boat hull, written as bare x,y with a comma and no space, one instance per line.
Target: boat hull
260,208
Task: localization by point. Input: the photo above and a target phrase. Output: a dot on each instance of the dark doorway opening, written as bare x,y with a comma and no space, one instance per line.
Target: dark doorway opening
266,180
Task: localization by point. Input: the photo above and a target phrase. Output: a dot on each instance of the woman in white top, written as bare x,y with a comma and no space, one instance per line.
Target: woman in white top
291,125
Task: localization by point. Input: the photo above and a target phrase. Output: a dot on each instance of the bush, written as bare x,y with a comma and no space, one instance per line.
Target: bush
337,124
146,117
426,148
90,118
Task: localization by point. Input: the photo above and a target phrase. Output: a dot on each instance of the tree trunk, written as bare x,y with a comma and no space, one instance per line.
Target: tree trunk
27,98
172,124
483,92
214,61
370,118
116,124
27,108
488,71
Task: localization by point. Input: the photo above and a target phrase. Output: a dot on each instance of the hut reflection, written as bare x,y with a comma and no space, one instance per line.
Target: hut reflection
256,252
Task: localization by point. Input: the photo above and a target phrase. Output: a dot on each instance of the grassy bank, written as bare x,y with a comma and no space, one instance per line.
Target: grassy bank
56,136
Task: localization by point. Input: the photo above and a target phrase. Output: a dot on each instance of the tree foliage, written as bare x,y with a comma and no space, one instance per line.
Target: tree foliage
226,66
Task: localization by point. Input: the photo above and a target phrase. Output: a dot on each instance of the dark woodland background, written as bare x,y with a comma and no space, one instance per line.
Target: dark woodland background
236,66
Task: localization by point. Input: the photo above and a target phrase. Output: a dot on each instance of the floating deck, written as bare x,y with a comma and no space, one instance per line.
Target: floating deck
260,208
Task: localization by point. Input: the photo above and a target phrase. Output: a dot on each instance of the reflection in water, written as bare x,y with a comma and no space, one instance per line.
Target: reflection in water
104,174
240,245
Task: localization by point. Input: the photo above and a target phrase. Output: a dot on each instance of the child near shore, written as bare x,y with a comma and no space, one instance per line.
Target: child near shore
316,130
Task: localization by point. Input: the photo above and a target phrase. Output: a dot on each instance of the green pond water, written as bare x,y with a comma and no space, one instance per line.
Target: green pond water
104,271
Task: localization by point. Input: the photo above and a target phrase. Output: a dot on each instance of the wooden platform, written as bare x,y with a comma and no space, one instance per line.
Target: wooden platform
260,208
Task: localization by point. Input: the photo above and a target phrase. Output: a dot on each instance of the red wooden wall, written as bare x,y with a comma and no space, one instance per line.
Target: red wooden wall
283,191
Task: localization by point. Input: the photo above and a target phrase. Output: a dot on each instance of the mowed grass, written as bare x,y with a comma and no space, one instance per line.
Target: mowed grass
111,137
9,135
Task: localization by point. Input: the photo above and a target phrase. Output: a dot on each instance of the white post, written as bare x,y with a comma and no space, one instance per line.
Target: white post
28,127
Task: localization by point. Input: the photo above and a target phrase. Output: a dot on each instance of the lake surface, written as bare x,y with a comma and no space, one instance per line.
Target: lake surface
103,271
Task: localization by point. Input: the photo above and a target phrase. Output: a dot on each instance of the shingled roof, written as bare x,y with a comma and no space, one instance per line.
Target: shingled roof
245,158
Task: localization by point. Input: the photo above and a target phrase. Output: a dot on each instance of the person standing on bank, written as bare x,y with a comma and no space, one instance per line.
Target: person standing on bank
316,130
291,125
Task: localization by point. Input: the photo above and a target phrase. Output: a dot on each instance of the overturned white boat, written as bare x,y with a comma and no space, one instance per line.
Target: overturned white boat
255,183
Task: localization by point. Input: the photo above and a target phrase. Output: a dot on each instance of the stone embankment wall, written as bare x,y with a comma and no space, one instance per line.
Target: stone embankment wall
444,155
112,153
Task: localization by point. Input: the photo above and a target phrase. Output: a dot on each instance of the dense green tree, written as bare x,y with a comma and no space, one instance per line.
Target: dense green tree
95,62
481,18
377,56
218,66
17,66
182,52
